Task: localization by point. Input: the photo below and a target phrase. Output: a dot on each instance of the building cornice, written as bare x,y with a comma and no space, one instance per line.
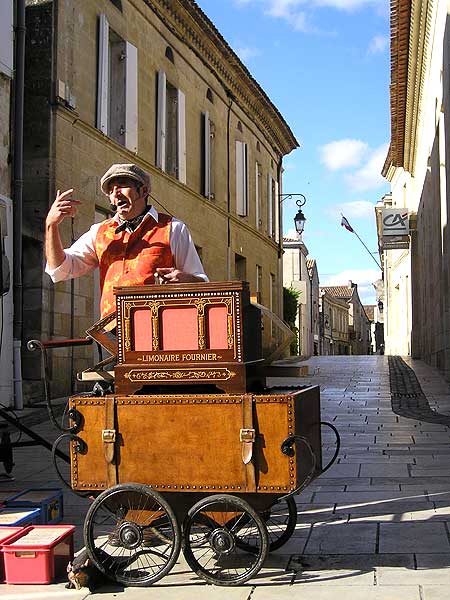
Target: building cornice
411,24
189,23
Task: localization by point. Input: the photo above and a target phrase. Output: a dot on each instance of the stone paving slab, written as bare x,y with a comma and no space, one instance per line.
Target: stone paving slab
342,538
431,538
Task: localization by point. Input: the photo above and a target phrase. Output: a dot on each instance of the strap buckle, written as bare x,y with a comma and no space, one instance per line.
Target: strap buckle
247,435
109,435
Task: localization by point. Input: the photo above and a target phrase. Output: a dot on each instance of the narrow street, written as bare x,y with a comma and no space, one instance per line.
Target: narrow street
375,526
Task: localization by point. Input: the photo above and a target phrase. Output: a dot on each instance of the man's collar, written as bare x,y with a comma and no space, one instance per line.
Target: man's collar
133,224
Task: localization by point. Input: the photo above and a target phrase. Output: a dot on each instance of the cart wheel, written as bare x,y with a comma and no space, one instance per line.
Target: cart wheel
280,520
215,530
132,535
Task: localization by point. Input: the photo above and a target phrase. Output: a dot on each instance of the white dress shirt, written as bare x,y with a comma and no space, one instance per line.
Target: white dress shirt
81,257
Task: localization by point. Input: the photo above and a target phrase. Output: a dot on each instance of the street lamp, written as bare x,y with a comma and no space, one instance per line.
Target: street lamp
299,219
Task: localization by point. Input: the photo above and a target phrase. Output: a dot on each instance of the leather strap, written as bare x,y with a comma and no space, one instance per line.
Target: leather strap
109,440
247,438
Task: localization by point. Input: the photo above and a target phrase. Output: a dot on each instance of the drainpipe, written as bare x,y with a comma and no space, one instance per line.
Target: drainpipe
280,238
230,104
19,61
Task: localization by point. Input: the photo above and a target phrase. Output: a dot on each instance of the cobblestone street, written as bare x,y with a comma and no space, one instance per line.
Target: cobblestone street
375,526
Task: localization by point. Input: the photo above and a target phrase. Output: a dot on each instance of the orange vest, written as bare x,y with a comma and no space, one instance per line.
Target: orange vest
131,258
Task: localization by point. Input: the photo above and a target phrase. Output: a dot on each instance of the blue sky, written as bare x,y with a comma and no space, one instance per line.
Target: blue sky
325,65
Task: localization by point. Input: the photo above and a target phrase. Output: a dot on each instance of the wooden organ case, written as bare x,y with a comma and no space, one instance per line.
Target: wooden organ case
187,334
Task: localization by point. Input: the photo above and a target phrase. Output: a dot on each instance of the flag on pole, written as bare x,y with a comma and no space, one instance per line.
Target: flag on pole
347,225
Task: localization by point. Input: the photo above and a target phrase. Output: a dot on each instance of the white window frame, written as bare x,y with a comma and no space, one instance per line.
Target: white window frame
241,179
161,128
269,205
131,86
258,211
206,141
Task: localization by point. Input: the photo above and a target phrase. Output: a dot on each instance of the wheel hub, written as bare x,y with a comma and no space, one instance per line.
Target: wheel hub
130,535
222,541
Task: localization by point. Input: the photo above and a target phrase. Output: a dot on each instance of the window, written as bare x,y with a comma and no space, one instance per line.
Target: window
117,87
208,152
272,301
273,208
259,276
170,129
241,179
169,54
240,267
258,184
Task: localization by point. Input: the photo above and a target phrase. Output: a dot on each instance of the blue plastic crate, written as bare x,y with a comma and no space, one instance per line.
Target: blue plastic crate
16,516
48,500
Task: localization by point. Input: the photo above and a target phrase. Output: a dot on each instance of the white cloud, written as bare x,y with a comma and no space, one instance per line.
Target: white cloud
296,12
245,53
378,44
369,177
365,279
359,209
291,234
342,154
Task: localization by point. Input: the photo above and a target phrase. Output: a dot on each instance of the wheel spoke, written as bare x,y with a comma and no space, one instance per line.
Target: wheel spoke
122,539
216,555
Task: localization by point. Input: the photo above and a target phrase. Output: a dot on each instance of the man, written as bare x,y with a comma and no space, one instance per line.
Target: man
132,248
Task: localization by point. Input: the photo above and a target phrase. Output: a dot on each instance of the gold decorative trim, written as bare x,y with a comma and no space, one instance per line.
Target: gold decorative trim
180,375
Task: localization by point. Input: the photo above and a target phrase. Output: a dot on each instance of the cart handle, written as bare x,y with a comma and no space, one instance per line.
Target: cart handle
288,450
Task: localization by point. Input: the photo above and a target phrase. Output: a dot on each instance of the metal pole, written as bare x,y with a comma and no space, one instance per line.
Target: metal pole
19,79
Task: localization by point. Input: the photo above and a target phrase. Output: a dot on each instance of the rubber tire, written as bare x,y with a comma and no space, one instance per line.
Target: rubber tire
285,536
146,493
240,505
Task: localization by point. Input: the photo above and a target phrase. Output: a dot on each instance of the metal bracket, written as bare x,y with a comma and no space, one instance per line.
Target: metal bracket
109,435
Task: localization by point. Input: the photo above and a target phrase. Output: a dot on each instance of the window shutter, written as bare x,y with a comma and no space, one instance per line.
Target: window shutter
103,74
181,128
131,98
241,178
269,205
6,38
257,196
206,166
161,122
277,213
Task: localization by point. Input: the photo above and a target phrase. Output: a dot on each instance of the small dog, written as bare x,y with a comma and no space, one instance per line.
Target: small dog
82,573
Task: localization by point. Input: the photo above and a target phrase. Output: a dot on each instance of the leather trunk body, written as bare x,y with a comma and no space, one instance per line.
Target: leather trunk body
195,443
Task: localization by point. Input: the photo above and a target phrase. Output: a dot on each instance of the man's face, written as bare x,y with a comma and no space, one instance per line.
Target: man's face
128,196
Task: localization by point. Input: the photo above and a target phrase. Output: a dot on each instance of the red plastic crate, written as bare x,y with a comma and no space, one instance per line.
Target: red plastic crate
7,534
40,555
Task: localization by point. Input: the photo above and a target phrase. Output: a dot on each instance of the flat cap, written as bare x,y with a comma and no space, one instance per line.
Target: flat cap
132,171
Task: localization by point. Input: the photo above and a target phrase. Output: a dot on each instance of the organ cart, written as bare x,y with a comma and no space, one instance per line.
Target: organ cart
189,449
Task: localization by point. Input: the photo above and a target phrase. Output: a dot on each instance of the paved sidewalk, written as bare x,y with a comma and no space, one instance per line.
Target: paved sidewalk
373,527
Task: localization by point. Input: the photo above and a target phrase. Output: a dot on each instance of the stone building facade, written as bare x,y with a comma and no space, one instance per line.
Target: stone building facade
359,330
313,275
151,82
296,275
334,332
417,279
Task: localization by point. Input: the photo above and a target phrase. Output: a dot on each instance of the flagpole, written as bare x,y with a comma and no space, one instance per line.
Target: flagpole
371,255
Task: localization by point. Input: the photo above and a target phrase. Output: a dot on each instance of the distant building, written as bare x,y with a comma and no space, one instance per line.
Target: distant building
334,333
358,322
313,274
300,273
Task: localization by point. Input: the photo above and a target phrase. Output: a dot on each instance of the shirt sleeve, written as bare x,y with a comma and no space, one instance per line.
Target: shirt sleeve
184,252
80,259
